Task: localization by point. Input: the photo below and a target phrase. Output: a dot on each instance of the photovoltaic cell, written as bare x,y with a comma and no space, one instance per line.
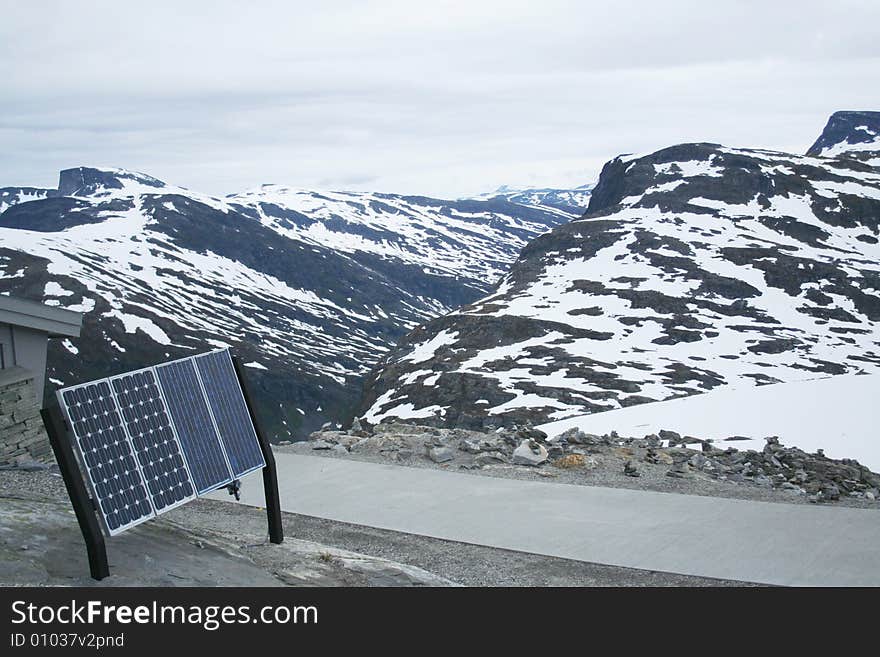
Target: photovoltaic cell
107,455
155,444
231,415
195,426
152,439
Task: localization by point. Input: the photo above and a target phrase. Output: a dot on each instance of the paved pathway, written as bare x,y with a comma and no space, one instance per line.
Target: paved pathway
711,537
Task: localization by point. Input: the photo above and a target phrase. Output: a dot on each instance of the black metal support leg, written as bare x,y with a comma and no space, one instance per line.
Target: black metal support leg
76,490
270,476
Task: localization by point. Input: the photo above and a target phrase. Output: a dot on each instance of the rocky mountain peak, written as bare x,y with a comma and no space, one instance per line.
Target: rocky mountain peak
854,135
81,181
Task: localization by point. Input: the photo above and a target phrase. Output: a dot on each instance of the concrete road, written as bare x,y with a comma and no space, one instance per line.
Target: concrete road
772,543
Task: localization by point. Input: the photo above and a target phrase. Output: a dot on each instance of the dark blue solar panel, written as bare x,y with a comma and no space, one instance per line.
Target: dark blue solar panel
155,445
107,456
195,427
230,412
155,438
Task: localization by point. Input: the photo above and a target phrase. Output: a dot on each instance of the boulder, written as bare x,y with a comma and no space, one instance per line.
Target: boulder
571,461
440,454
672,436
470,446
572,436
357,428
630,469
530,452
493,445
489,458
830,492
528,432
403,428
347,441
679,470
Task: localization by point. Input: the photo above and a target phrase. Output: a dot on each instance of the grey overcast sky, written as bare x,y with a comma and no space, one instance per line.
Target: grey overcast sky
437,98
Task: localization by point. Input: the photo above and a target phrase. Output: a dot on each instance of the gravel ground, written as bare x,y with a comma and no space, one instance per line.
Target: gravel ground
608,473
465,564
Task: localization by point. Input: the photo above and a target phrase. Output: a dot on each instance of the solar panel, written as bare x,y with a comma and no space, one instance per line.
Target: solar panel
155,438
155,443
195,425
230,412
108,457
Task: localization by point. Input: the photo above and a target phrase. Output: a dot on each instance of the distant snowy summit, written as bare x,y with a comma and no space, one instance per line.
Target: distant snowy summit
83,181
852,135
573,201
696,267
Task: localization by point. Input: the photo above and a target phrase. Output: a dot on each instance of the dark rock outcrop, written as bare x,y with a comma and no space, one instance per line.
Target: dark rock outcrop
854,135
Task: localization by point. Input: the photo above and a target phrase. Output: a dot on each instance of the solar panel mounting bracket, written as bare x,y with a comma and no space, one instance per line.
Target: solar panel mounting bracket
83,503
270,476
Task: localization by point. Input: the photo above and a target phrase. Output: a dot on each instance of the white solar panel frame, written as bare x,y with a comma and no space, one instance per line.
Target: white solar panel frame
84,468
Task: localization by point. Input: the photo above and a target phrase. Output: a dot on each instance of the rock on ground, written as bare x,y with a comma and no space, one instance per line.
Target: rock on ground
530,452
666,461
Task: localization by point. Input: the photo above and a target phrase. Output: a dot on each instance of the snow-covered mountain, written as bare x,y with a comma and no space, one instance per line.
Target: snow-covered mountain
471,240
10,196
309,288
695,267
853,135
570,201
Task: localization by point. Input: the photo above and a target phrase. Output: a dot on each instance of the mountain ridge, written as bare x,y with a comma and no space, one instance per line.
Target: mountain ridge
161,271
695,267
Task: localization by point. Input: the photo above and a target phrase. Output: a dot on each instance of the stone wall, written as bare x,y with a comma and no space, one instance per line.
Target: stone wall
22,436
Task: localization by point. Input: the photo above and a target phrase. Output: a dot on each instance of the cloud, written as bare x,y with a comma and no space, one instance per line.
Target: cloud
442,98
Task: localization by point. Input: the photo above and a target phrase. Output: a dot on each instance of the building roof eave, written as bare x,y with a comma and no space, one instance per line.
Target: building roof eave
56,322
